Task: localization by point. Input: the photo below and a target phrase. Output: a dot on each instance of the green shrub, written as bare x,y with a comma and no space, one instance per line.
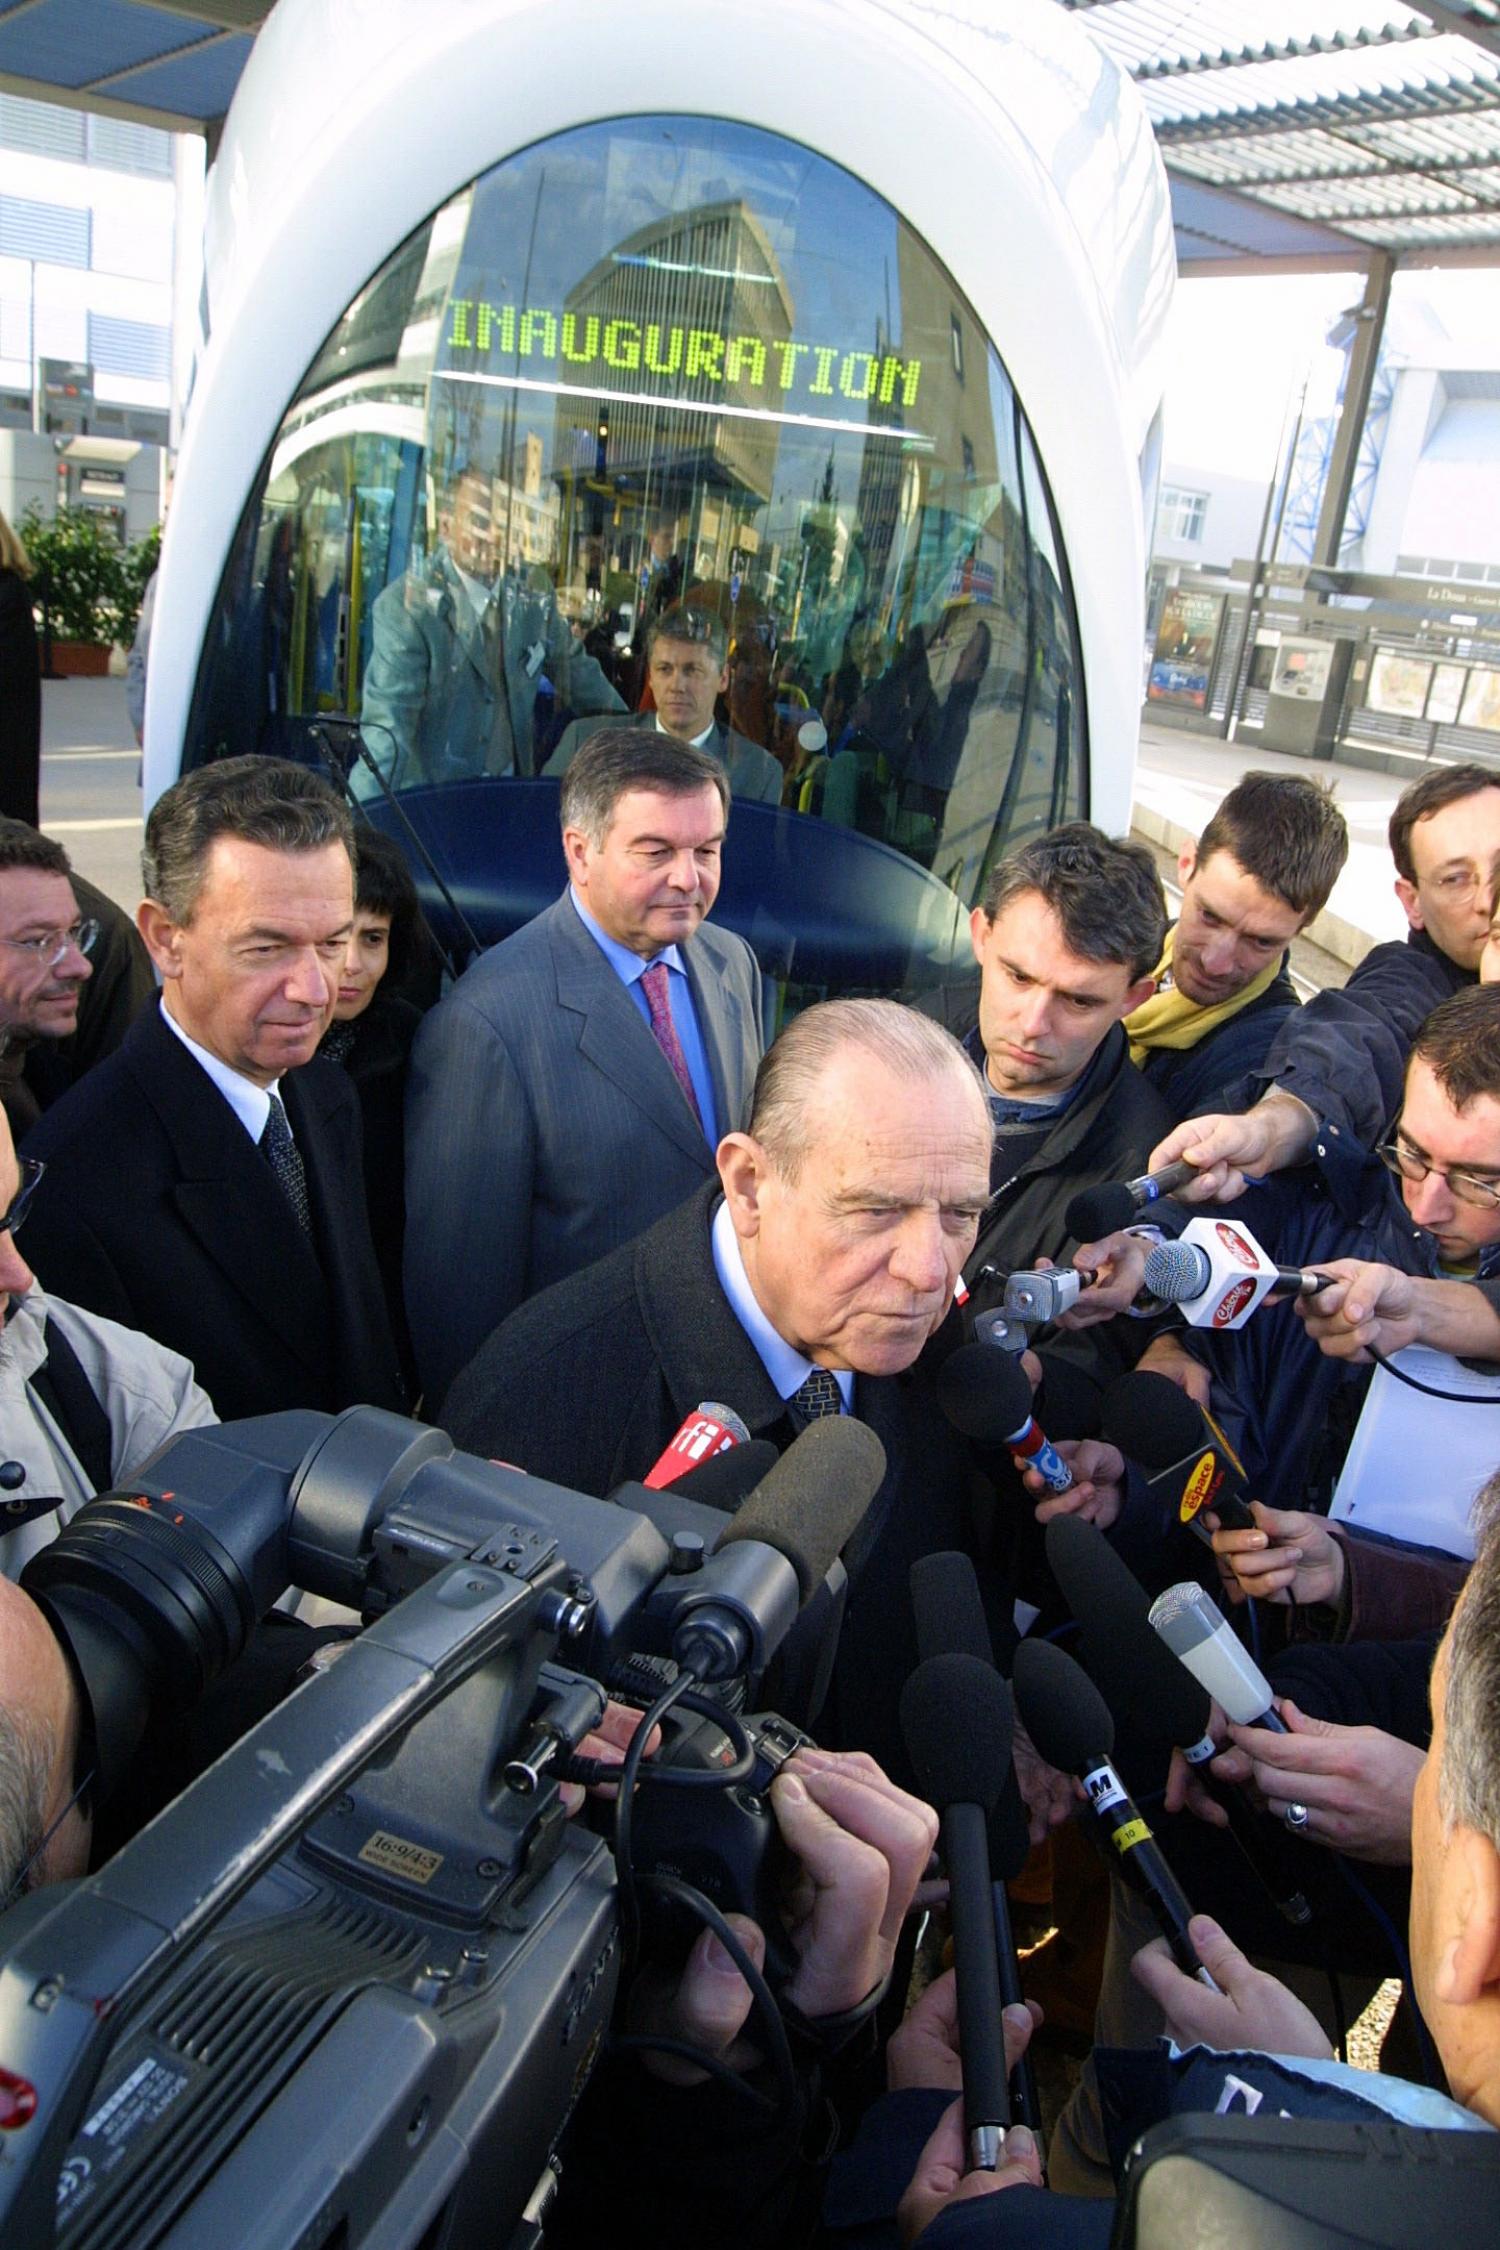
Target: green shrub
81,575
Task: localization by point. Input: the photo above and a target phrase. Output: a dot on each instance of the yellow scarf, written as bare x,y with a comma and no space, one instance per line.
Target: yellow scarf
1171,1019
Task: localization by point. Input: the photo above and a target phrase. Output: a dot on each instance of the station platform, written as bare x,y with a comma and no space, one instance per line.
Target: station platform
91,802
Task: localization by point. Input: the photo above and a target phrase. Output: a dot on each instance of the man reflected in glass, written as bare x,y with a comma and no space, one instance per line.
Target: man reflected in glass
459,653
688,670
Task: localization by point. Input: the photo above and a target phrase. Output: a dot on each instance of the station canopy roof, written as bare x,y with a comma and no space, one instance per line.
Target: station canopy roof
1318,129
1294,131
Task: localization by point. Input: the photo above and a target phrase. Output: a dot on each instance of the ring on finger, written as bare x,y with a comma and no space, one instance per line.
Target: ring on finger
1296,1817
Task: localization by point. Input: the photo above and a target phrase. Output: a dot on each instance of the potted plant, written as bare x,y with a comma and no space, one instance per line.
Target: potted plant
79,583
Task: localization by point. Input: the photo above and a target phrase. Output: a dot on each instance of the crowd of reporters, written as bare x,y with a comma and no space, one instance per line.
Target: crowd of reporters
563,1204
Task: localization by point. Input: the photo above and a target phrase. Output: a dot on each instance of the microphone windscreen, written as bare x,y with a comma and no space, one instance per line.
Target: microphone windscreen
1061,1709
1101,1210
984,1393
810,1504
726,1480
956,1719
1067,1405
1152,1420
949,1609
1176,1271
727,1418
1138,1676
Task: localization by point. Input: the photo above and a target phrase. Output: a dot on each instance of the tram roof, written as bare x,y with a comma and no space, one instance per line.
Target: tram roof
1296,133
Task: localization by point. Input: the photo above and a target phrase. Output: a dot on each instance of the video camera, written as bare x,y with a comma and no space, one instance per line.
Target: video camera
349,1987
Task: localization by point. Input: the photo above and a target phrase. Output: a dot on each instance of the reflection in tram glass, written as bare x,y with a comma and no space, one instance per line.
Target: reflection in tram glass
669,369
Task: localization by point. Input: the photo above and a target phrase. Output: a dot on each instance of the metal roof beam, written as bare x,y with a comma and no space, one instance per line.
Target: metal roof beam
1338,175
1461,23
1326,112
119,80
101,105
1283,50
1363,355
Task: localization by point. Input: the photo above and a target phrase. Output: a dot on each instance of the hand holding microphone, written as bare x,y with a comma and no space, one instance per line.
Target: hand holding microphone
1349,1788
1069,1721
1227,1151
1244,2008
1288,1557
1189,1464
986,1395
1216,1273
1107,1208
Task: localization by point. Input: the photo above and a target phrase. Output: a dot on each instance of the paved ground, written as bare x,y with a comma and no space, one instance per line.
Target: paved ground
91,800
91,797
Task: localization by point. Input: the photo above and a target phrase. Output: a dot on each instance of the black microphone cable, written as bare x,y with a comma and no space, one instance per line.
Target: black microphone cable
683,1693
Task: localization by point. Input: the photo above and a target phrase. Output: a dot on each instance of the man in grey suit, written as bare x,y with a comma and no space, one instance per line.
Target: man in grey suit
574,1084
687,665
455,658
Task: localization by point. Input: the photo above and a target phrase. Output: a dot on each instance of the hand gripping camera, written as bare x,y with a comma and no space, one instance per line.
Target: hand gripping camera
349,1986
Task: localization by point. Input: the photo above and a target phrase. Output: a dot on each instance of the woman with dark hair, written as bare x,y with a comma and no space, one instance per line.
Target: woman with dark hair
371,1035
20,684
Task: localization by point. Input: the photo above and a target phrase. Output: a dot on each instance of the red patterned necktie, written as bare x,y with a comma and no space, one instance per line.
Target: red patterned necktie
664,1031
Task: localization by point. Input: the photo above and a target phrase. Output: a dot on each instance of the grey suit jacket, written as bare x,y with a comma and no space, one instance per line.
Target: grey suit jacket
443,702
544,1126
753,772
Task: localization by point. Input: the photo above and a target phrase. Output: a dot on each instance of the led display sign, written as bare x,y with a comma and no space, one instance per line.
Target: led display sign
600,347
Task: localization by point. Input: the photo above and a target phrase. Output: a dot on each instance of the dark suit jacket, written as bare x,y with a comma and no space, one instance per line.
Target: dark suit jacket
753,773
544,1126
20,701
158,1210
587,1383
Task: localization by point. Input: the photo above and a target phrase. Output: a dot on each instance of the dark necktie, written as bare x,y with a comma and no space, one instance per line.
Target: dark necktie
664,1031
285,1160
818,1394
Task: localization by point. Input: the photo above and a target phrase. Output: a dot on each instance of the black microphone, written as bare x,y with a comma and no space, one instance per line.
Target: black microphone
986,1396
1097,1211
957,1721
1137,1673
949,1611
726,1480
811,1503
950,1618
776,1553
1188,1461
1068,1721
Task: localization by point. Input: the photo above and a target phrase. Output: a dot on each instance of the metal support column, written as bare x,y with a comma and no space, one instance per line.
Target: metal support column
1369,327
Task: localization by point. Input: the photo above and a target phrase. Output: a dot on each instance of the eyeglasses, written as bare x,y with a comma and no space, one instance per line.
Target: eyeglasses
50,946
1464,1187
32,1169
1459,882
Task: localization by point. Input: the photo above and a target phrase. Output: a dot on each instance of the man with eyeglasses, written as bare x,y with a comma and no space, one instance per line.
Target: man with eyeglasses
1411,1235
1342,1056
72,974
